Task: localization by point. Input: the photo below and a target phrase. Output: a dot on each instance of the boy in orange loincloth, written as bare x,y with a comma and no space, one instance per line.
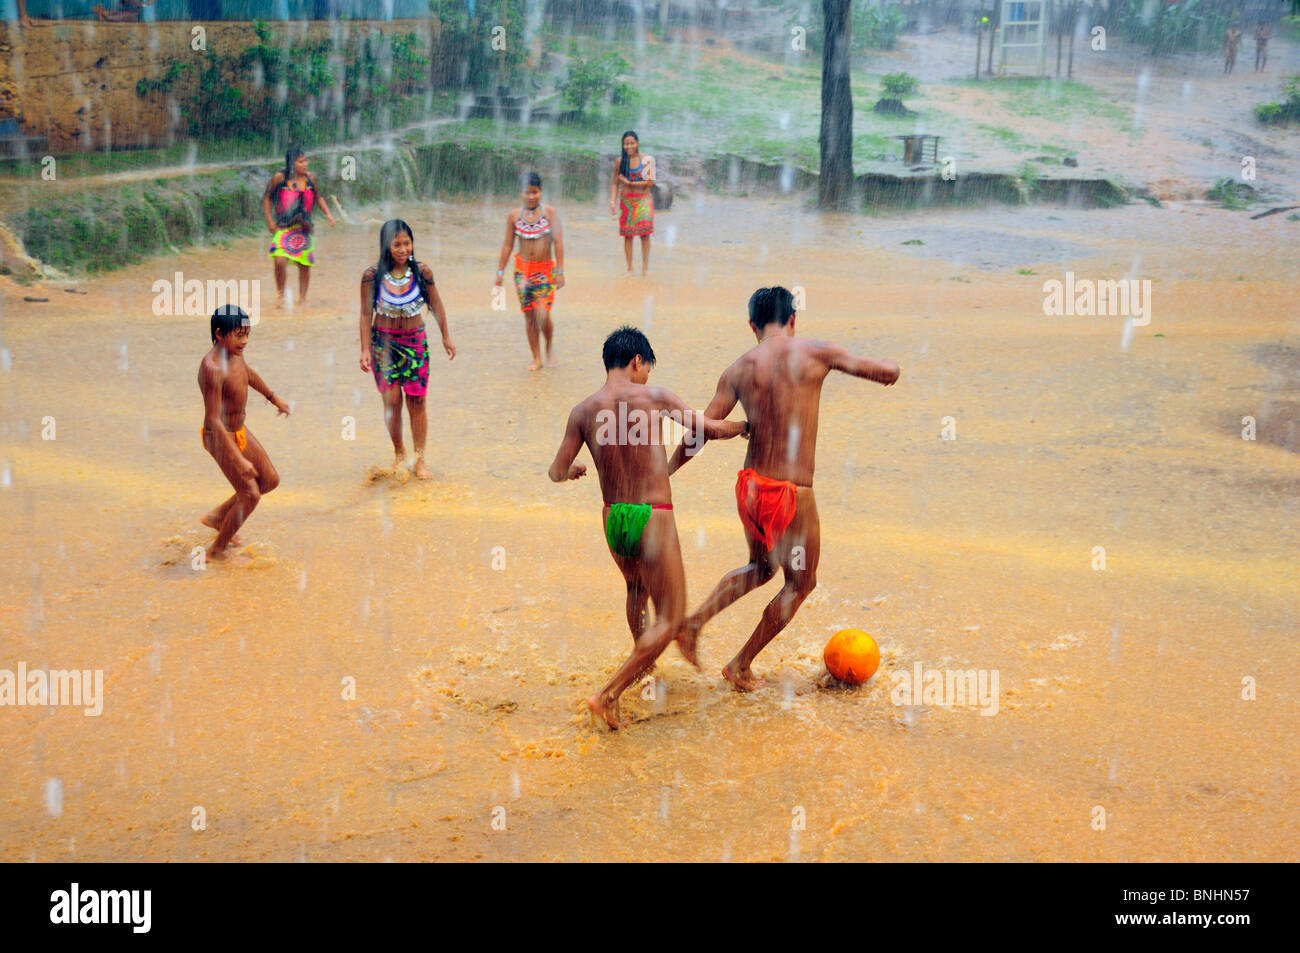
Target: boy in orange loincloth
779,383
224,379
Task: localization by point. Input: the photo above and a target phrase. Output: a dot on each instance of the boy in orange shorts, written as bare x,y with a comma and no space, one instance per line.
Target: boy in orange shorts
779,383
224,379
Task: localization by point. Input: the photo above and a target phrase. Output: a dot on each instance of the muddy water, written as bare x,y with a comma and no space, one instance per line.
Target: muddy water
1120,690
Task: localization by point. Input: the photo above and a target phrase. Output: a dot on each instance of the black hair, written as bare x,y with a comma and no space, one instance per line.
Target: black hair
770,304
530,179
623,345
391,229
291,157
227,319
623,165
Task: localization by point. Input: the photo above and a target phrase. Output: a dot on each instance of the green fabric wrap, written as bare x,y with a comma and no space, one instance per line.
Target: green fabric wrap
624,526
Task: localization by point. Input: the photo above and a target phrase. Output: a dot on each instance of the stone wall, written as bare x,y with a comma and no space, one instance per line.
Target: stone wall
75,81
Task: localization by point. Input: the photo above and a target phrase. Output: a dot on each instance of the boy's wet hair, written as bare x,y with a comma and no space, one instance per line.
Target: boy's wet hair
624,344
771,304
227,319
530,179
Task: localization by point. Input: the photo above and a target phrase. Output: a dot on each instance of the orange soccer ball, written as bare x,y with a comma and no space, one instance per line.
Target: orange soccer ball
852,656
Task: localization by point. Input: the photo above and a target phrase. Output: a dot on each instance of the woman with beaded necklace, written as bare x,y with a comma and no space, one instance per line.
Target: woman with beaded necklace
394,294
539,266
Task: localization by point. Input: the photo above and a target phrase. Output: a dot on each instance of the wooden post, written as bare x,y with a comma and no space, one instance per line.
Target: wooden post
1060,38
1074,6
979,38
993,27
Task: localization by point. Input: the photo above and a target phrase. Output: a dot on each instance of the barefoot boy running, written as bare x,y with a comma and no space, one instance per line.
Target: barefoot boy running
224,379
779,383
621,425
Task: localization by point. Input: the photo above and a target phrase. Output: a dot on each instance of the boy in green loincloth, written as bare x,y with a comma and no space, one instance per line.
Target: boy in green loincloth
621,425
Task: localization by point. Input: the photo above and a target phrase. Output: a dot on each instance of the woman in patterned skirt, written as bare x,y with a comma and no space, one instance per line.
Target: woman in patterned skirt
288,203
539,266
632,200
394,294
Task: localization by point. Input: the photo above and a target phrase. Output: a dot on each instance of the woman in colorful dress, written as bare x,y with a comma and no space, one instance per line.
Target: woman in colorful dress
538,272
394,294
634,178
288,204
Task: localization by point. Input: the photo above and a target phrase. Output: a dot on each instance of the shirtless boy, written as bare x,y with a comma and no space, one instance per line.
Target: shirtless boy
1262,35
225,379
621,425
1230,49
779,383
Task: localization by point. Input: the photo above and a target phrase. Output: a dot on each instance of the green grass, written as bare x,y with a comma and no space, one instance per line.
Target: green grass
1053,99
693,100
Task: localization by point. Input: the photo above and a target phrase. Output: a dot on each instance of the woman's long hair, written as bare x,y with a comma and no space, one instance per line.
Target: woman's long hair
623,165
290,157
392,228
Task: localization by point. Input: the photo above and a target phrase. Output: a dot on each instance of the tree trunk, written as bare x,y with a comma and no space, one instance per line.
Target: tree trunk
835,185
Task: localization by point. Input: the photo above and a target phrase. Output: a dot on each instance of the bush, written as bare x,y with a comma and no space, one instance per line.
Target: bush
1232,194
898,85
1272,114
591,80
875,24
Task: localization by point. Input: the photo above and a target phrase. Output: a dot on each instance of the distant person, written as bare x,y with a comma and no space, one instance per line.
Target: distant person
779,383
224,379
1262,35
634,179
129,11
638,512
287,204
1230,49
539,266
394,347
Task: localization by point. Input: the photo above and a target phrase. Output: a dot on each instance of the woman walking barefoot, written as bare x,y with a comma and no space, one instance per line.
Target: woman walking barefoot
288,203
537,273
634,178
394,294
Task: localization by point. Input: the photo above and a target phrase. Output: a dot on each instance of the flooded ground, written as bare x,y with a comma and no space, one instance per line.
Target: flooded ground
1121,690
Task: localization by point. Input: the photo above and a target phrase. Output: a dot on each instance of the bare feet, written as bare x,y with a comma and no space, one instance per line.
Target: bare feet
210,521
608,710
536,365
216,554
550,360
742,679
420,470
687,636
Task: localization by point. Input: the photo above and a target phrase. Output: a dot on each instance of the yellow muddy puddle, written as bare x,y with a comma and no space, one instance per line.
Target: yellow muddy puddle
471,615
